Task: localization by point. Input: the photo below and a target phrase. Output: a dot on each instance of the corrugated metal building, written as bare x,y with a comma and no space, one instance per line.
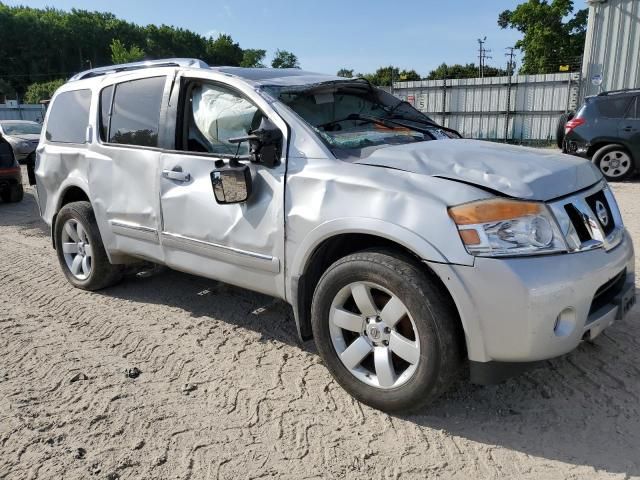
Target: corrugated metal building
612,48
523,108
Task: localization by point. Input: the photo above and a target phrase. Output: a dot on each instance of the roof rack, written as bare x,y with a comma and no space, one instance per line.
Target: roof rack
617,92
124,67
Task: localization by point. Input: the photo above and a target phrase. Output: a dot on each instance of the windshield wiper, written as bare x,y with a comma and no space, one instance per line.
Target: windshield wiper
385,122
353,116
424,121
389,122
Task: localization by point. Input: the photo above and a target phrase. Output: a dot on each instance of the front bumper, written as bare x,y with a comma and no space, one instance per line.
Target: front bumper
534,308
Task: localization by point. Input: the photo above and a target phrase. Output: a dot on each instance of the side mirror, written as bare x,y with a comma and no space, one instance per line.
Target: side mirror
232,182
265,143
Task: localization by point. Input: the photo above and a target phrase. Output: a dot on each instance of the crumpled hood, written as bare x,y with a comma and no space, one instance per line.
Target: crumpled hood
519,172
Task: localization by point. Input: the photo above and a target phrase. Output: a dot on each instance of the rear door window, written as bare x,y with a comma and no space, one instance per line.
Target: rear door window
69,117
135,114
614,107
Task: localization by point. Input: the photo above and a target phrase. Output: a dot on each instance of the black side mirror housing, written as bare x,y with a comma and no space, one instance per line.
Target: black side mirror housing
232,182
265,143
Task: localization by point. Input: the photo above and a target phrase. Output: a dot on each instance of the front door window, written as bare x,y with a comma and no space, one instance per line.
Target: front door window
217,114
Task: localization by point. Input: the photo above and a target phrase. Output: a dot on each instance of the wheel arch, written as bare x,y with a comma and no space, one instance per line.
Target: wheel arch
600,143
324,252
72,192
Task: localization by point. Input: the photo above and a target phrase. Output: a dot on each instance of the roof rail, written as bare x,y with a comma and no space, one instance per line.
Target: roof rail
123,67
617,92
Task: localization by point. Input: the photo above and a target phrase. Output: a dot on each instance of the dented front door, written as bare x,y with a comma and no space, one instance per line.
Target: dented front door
240,243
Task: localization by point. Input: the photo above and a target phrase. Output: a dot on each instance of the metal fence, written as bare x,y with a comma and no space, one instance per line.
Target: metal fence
518,109
611,47
22,112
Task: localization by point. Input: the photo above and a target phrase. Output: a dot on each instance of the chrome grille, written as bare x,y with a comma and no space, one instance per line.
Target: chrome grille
589,219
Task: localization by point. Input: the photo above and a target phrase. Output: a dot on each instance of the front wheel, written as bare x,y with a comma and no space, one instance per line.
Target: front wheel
388,333
80,249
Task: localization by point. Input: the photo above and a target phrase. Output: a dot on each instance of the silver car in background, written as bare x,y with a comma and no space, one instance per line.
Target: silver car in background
408,254
22,135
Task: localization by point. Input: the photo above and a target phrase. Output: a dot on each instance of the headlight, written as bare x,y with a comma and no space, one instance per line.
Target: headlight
499,227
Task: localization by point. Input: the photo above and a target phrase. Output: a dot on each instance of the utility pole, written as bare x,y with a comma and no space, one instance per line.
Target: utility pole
482,56
511,66
391,71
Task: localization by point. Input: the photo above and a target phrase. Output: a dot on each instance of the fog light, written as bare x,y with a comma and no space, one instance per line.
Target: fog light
565,323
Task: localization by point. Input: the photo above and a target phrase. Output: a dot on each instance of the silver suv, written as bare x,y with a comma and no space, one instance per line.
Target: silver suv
408,254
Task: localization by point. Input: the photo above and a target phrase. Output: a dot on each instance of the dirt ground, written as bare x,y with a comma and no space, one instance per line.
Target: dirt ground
225,389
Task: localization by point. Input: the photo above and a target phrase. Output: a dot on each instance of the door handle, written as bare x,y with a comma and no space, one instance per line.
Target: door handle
176,175
628,129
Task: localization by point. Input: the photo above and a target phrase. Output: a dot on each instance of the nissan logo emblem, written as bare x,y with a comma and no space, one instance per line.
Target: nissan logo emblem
601,212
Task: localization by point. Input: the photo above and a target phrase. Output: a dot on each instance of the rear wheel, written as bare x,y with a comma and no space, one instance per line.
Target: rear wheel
562,123
615,162
387,332
80,249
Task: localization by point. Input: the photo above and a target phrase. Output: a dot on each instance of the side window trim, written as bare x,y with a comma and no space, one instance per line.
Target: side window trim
112,86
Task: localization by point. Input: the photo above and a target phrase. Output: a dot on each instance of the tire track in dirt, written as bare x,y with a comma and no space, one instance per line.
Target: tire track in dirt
263,405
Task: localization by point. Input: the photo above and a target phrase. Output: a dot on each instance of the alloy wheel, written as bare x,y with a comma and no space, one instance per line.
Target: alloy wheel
374,335
76,249
615,164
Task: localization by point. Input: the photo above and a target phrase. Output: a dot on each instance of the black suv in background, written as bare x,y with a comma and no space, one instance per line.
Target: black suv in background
606,130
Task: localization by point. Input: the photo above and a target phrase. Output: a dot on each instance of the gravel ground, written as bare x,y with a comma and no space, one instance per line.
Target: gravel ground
224,389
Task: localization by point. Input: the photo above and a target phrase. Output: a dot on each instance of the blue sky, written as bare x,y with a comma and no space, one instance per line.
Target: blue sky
329,34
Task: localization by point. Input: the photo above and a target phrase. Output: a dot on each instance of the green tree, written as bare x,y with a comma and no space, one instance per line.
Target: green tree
383,76
548,40
408,76
284,59
345,73
470,70
47,44
122,54
253,57
42,91
224,51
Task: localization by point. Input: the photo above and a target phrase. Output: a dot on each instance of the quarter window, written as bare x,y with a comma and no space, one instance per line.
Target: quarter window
69,117
634,109
135,114
105,111
214,115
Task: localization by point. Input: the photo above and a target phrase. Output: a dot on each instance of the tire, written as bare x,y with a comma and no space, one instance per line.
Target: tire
432,354
562,122
14,194
76,225
614,162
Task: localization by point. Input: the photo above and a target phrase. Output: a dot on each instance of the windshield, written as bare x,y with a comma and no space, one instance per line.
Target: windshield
11,128
351,116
